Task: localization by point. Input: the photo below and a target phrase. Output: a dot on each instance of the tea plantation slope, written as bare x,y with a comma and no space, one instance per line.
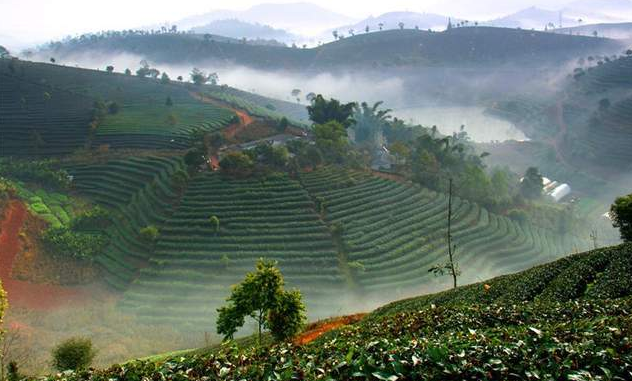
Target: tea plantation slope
139,192
394,232
527,326
143,119
599,274
38,120
192,266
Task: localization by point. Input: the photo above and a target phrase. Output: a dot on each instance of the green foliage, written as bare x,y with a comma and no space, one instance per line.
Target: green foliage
532,183
149,234
3,308
237,164
283,124
518,215
93,219
322,111
214,222
369,123
41,172
331,140
621,214
179,180
75,354
288,317
194,158
64,242
261,296
199,77
113,108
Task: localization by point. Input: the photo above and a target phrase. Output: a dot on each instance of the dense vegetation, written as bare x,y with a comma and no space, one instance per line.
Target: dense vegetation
511,327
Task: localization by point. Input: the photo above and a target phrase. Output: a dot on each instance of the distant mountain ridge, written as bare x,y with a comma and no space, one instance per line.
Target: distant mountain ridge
238,29
303,18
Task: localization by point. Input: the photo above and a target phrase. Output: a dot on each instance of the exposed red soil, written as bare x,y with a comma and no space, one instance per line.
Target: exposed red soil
20,293
244,118
317,329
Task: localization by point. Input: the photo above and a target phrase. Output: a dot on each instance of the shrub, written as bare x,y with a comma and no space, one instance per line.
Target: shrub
73,354
149,234
96,218
179,179
114,108
518,215
64,242
35,171
214,221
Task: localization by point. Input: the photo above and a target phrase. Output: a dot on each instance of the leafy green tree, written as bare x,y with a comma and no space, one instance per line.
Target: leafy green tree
199,77
331,140
73,354
164,79
194,158
322,111
128,72
621,214
369,122
237,164
282,125
532,184
261,297
169,101
288,317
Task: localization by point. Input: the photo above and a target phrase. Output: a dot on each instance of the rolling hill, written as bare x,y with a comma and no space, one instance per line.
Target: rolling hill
76,98
567,319
393,233
459,47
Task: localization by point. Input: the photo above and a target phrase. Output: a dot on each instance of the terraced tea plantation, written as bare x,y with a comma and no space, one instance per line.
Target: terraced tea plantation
36,120
56,102
139,192
395,232
193,265
566,320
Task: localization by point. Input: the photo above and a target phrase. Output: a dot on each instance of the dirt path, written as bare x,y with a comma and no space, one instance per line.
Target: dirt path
245,119
317,329
20,293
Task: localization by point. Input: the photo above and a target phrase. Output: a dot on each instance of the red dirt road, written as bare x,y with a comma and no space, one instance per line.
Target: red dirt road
315,330
20,293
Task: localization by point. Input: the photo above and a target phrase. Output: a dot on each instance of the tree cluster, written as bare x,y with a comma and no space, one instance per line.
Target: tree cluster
261,296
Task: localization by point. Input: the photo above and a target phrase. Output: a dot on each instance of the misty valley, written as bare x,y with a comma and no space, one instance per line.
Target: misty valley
301,191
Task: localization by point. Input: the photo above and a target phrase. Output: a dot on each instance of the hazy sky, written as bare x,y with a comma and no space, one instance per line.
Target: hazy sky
42,20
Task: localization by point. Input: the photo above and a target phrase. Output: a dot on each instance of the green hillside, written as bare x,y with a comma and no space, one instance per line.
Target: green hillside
566,320
139,192
456,47
268,218
589,118
49,109
392,234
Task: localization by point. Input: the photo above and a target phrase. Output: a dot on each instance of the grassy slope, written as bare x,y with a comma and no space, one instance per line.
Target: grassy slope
396,47
568,319
63,119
